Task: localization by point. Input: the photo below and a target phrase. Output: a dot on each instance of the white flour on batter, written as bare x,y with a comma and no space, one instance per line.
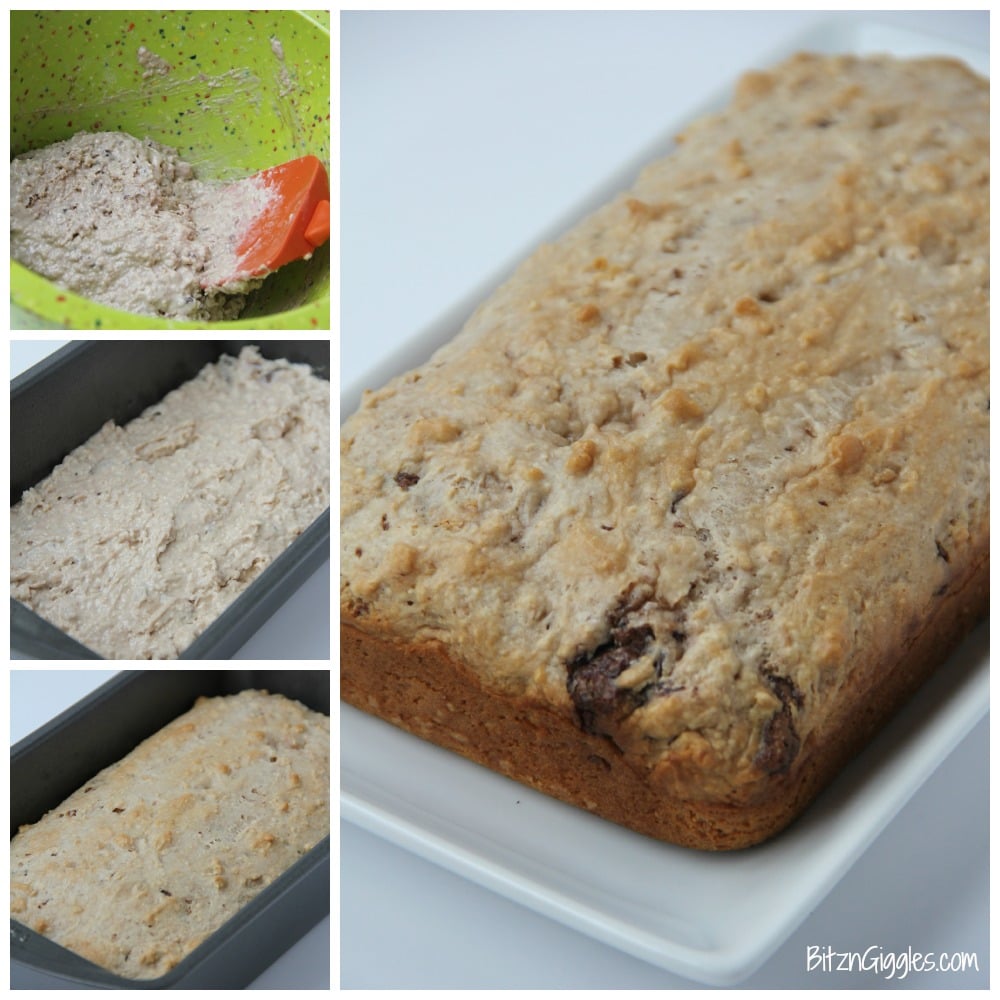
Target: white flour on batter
125,222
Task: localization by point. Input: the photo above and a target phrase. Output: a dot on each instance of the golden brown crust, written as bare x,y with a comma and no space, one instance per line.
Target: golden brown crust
702,490
419,688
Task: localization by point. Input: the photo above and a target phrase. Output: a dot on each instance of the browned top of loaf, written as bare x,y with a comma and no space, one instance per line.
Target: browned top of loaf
719,446
156,852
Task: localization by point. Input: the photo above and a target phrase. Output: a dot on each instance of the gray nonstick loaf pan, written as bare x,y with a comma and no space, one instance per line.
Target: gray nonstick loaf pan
65,399
54,761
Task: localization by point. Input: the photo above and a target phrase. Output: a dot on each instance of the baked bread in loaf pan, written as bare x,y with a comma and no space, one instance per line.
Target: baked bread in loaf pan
61,402
699,496
65,755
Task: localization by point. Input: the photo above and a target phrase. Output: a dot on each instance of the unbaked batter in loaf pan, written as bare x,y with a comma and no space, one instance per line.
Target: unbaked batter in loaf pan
71,395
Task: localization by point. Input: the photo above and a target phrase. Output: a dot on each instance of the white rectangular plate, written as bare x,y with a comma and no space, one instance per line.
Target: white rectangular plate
714,918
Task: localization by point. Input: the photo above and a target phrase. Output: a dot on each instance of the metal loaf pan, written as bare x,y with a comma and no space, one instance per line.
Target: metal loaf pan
65,399
57,759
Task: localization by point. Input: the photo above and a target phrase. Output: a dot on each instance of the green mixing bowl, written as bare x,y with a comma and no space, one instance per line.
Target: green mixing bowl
245,90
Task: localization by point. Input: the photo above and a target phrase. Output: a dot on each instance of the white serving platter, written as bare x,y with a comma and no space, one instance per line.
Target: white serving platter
712,918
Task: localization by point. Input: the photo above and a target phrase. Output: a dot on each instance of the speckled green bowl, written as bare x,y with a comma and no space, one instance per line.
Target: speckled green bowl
230,104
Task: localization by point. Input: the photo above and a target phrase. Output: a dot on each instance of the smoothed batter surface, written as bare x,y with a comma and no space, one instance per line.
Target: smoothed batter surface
125,222
143,535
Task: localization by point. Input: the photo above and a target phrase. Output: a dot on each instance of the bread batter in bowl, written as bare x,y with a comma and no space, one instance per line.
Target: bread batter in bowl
125,222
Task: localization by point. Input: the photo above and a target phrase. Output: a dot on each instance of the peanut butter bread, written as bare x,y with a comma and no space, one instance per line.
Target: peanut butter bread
700,494
141,537
156,852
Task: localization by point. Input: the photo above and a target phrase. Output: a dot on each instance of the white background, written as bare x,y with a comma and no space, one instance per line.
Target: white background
38,695
298,630
464,136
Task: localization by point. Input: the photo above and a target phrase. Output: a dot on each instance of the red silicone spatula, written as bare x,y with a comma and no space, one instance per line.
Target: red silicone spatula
295,221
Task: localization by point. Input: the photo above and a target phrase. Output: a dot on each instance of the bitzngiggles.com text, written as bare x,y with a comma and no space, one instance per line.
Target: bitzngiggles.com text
888,964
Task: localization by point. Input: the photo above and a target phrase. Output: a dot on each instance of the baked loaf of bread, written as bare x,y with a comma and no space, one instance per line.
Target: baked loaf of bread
700,494
139,866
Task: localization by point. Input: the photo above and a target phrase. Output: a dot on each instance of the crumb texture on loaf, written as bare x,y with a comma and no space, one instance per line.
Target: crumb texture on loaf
158,851
141,537
703,468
